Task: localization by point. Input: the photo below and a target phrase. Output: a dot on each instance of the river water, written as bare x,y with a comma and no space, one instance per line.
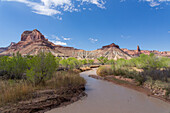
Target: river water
106,97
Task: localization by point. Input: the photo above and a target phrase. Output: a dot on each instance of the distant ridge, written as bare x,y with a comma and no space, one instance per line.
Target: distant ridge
34,42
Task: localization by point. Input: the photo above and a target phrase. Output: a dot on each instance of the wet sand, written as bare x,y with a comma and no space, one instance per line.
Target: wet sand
106,97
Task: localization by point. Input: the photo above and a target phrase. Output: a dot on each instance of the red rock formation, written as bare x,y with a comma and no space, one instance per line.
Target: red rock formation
147,52
33,42
138,48
32,36
109,46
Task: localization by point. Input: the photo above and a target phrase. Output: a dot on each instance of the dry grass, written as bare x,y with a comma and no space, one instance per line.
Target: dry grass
104,71
14,91
65,79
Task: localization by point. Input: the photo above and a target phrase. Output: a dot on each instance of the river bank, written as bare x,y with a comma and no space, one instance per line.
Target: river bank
130,85
45,100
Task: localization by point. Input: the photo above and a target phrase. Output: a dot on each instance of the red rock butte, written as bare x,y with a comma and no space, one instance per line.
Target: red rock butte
111,45
32,36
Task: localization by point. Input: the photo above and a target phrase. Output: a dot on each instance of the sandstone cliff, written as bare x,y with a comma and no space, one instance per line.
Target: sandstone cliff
33,42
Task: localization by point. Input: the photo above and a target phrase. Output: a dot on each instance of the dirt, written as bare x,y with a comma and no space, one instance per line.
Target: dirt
46,100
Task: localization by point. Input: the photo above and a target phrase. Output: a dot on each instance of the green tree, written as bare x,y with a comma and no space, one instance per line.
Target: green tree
110,61
16,66
84,61
58,59
102,60
42,68
64,63
90,61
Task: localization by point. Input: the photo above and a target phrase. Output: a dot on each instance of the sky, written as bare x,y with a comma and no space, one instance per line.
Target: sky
89,24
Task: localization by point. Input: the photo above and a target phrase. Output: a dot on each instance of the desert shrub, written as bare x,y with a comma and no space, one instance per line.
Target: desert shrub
70,63
3,65
84,62
58,59
41,68
140,79
165,62
13,67
64,63
157,74
110,62
66,79
74,63
127,73
104,71
148,61
102,60
91,62
120,63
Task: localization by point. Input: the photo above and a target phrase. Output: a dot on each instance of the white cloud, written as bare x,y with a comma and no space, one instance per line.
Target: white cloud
155,3
152,3
123,36
93,40
53,7
58,42
66,38
55,37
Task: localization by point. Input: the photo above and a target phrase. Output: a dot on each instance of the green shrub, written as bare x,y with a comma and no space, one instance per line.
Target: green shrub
157,74
104,71
13,67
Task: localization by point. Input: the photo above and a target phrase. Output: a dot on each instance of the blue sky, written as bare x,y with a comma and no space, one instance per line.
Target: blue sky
89,24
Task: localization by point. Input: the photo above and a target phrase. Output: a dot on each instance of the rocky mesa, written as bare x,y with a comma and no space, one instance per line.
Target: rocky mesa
34,42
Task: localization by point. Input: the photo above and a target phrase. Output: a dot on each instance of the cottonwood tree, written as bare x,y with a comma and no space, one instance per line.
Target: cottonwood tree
42,68
102,60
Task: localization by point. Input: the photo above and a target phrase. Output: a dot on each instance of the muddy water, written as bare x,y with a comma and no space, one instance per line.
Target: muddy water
105,97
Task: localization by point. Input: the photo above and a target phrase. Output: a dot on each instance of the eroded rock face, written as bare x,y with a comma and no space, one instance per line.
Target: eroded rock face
32,36
109,46
33,42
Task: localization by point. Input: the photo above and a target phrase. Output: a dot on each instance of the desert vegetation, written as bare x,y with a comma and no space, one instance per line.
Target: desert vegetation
149,71
21,77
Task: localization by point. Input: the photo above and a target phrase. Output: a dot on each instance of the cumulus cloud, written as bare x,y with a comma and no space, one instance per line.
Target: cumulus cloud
53,7
58,42
93,40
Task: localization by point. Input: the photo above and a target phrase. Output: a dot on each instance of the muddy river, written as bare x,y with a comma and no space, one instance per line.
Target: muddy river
105,97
